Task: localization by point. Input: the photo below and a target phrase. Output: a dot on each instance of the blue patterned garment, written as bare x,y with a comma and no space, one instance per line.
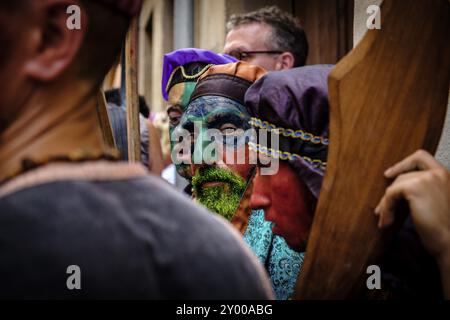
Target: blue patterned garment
281,262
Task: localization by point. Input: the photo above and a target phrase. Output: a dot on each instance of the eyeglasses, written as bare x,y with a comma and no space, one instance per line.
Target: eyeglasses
244,55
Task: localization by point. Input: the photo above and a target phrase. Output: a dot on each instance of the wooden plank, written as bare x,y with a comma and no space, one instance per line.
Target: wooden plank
103,119
388,98
132,97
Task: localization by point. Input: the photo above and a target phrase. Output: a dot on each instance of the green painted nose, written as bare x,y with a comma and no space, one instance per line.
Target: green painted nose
205,149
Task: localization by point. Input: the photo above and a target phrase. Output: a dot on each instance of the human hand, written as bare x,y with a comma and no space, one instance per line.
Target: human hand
425,184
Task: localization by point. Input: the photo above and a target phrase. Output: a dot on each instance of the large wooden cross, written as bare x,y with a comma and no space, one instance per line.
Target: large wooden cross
388,98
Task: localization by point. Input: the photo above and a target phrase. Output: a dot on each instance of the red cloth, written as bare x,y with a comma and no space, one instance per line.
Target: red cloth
128,7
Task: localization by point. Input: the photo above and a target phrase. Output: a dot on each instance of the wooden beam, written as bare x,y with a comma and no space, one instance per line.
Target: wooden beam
103,119
388,98
132,97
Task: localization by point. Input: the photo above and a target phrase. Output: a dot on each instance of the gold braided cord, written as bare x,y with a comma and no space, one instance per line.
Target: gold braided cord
283,155
185,75
289,133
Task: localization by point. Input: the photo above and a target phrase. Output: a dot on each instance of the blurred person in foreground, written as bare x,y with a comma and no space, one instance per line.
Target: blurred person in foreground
64,199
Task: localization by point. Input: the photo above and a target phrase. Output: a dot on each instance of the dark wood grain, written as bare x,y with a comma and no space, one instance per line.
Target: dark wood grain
329,27
132,97
103,119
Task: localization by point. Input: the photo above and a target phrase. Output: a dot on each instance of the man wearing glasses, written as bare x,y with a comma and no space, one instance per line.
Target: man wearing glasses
269,38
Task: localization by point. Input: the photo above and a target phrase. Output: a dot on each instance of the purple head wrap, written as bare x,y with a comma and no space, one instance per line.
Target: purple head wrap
294,105
183,56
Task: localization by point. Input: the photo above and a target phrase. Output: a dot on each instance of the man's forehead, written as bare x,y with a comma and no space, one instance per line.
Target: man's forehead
251,31
180,94
247,37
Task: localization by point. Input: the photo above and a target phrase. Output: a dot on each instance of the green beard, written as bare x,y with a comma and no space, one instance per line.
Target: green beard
223,199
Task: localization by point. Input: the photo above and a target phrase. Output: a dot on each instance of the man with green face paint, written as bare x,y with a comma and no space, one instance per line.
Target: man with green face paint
217,113
182,68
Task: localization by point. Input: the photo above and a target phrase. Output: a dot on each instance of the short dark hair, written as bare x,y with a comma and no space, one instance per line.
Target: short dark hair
8,10
13,5
288,34
101,46
103,41
113,96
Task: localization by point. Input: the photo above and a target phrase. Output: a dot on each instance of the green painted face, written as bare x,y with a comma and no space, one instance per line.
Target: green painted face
178,101
219,113
180,94
218,183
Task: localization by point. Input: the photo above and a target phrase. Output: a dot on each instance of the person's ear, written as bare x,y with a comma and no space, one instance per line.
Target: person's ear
54,45
285,61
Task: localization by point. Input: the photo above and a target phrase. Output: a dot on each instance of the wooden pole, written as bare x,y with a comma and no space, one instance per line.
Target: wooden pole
132,97
103,119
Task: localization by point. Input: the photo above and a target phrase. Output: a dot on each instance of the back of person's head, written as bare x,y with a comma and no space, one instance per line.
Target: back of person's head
49,48
87,52
114,96
104,38
287,33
